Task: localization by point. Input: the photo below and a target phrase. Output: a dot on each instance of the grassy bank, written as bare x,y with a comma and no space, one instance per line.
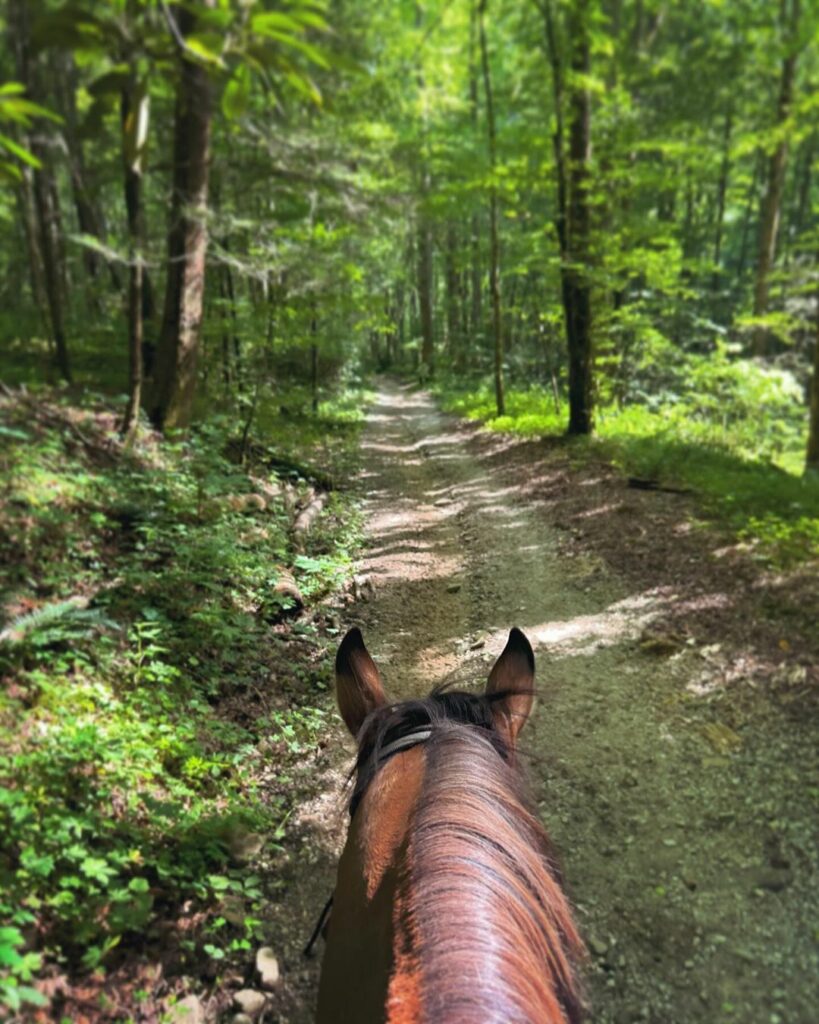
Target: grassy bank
742,455
164,667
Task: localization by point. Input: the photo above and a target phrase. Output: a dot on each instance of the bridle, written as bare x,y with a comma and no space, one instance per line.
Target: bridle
410,739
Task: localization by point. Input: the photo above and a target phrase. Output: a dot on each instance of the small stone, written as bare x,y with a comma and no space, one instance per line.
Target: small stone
477,645
598,947
453,588
241,1018
187,1011
250,1001
245,846
268,967
234,910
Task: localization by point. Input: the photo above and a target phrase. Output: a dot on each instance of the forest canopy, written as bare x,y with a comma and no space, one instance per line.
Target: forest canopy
614,202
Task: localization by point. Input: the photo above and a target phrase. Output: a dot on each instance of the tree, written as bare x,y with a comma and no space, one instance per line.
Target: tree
494,241
178,350
135,112
772,202
43,199
577,294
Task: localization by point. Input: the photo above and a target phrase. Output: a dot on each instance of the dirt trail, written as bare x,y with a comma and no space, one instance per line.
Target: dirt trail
690,848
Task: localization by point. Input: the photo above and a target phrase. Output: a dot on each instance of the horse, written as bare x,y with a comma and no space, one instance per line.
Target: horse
448,907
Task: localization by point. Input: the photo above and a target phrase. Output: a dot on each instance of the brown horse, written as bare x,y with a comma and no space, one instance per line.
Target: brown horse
448,908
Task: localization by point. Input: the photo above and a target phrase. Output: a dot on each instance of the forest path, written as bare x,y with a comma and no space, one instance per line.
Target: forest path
689,846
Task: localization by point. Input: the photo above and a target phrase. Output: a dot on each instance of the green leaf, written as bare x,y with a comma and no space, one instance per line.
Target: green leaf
274,22
200,46
98,869
19,152
237,94
37,864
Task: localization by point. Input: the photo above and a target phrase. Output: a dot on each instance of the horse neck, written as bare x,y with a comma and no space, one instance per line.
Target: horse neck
365,975
491,935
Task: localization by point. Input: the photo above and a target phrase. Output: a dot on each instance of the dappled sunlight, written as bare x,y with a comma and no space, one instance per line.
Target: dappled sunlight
413,564
601,510
585,634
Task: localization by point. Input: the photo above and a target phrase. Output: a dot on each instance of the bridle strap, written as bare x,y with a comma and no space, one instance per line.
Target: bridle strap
412,739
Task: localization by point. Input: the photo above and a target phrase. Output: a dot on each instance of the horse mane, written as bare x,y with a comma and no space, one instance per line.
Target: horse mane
490,926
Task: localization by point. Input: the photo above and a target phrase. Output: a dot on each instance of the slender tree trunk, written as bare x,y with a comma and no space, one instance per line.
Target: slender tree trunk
746,220
812,456
494,239
425,284
561,171
722,191
453,327
48,224
135,112
35,256
801,208
772,202
89,218
43,194
230,296
425,270
476,275
578,314
314,362
179,340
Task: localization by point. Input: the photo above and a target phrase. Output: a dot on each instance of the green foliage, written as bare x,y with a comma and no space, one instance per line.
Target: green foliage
730,430
17,110
122,779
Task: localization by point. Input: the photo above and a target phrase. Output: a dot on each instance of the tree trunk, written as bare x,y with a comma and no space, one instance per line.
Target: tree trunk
476,304
578,313
35,256
89,219
453,328
776,176
801,208
314,362
425,291
134,110
812,457
561,171
746,220
179,338
43,194
494,240
722,190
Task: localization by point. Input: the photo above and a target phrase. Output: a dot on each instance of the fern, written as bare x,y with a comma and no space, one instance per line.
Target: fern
62,620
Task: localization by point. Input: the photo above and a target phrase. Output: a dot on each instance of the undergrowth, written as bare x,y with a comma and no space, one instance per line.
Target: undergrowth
139,598
736,438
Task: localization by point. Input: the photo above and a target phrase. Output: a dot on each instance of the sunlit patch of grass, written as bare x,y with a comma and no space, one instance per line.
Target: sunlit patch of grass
744,465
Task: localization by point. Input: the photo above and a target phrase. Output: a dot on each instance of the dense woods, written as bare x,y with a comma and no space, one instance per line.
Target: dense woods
218,218
588,196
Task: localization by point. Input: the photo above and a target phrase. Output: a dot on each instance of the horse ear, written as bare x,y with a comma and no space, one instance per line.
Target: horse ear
512,678
359,689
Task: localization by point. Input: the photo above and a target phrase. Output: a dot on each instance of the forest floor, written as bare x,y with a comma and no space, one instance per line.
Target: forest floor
673,749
